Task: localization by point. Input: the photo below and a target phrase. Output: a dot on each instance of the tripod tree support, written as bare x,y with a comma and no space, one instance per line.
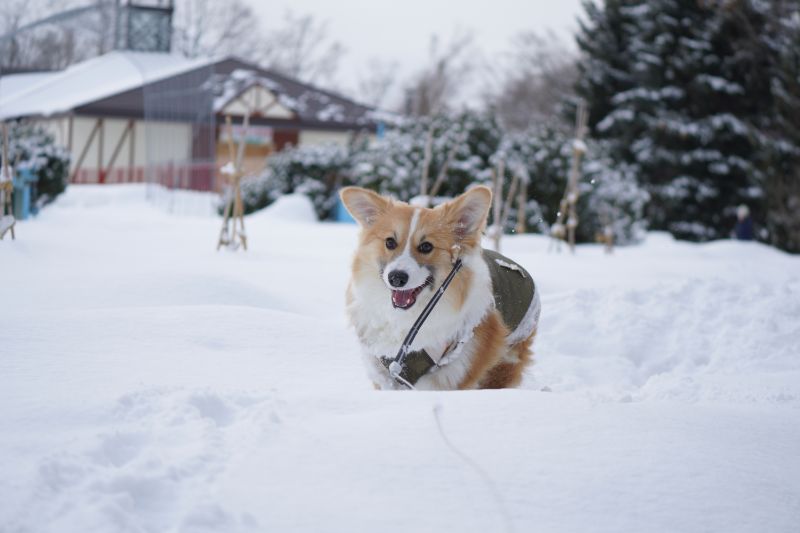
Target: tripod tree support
232,234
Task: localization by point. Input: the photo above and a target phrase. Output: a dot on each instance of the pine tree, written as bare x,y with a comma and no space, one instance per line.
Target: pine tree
781,162
604,38
684,121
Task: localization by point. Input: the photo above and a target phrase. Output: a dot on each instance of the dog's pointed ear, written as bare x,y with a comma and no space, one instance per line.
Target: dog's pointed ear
363,204
469,211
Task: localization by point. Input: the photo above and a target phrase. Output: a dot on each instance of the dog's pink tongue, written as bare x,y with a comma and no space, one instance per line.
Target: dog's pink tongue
403,298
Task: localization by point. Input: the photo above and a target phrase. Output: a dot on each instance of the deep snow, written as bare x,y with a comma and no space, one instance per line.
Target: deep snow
149,383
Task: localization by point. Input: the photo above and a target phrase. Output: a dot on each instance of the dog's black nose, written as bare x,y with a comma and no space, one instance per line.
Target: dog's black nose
398,278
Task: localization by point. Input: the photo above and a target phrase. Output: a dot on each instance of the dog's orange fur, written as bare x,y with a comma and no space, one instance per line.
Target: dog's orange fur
493,365
491,335
509,374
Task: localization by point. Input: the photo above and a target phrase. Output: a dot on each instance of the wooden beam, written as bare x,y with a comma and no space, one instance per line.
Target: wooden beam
118,147
101,178
132,152
84,151
69,135
426,163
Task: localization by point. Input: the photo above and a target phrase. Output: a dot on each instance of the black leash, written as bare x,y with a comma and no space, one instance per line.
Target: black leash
397,366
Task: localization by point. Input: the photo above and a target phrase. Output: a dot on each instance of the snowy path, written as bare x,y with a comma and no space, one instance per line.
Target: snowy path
148,383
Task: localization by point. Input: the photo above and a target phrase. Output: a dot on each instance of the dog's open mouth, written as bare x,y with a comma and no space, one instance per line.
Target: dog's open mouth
405,299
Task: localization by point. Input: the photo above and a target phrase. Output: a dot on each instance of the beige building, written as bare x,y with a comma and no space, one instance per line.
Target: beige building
135,116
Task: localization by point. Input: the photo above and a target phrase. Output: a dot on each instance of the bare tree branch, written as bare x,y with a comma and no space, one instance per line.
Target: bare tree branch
208,27
433,89
302,48
535,79
374,86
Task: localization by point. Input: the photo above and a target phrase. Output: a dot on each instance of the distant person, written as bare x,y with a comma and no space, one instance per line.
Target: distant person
744,224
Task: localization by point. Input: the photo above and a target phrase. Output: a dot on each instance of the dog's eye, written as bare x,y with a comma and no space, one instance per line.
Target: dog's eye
425,247
391,243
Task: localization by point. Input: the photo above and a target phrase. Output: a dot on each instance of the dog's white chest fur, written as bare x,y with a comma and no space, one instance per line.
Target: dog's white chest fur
382,328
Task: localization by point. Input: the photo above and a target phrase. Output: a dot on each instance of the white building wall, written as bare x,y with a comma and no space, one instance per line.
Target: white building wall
167,142
311,137
154,143
162,144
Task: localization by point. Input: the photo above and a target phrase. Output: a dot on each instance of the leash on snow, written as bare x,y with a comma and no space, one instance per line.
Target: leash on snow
398,365
485,477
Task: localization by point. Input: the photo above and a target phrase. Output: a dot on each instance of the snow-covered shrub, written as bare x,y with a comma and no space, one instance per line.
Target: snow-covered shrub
544,153
469,147
258,192
609,193
32,147
462,145
314,170
391,165
611,196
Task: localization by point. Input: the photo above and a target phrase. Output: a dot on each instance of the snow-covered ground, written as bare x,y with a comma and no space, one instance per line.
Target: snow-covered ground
150,383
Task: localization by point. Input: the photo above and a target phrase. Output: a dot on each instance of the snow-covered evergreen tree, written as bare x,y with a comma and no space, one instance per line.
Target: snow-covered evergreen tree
675,98
604,68
781,161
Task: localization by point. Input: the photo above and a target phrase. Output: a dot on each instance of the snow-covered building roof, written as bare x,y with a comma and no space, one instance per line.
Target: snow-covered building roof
114,85
11,85
46,94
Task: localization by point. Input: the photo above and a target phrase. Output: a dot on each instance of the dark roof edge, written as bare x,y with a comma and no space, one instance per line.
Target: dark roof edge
293,124
289,79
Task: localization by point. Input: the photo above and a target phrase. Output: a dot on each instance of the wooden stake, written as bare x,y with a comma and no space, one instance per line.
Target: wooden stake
569,203
426,162
522,207
509,200
497,211
443,171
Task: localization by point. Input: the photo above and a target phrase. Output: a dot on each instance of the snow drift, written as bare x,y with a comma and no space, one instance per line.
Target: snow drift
149,383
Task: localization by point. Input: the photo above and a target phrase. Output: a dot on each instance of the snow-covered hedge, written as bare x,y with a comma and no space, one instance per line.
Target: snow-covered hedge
464,150
609,193
32,147
315,171
461,148
611,196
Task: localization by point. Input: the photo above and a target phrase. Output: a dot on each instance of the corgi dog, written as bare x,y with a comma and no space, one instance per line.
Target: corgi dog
480,333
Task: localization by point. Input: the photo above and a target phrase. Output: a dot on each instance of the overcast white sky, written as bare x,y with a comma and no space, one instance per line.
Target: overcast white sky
400,30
